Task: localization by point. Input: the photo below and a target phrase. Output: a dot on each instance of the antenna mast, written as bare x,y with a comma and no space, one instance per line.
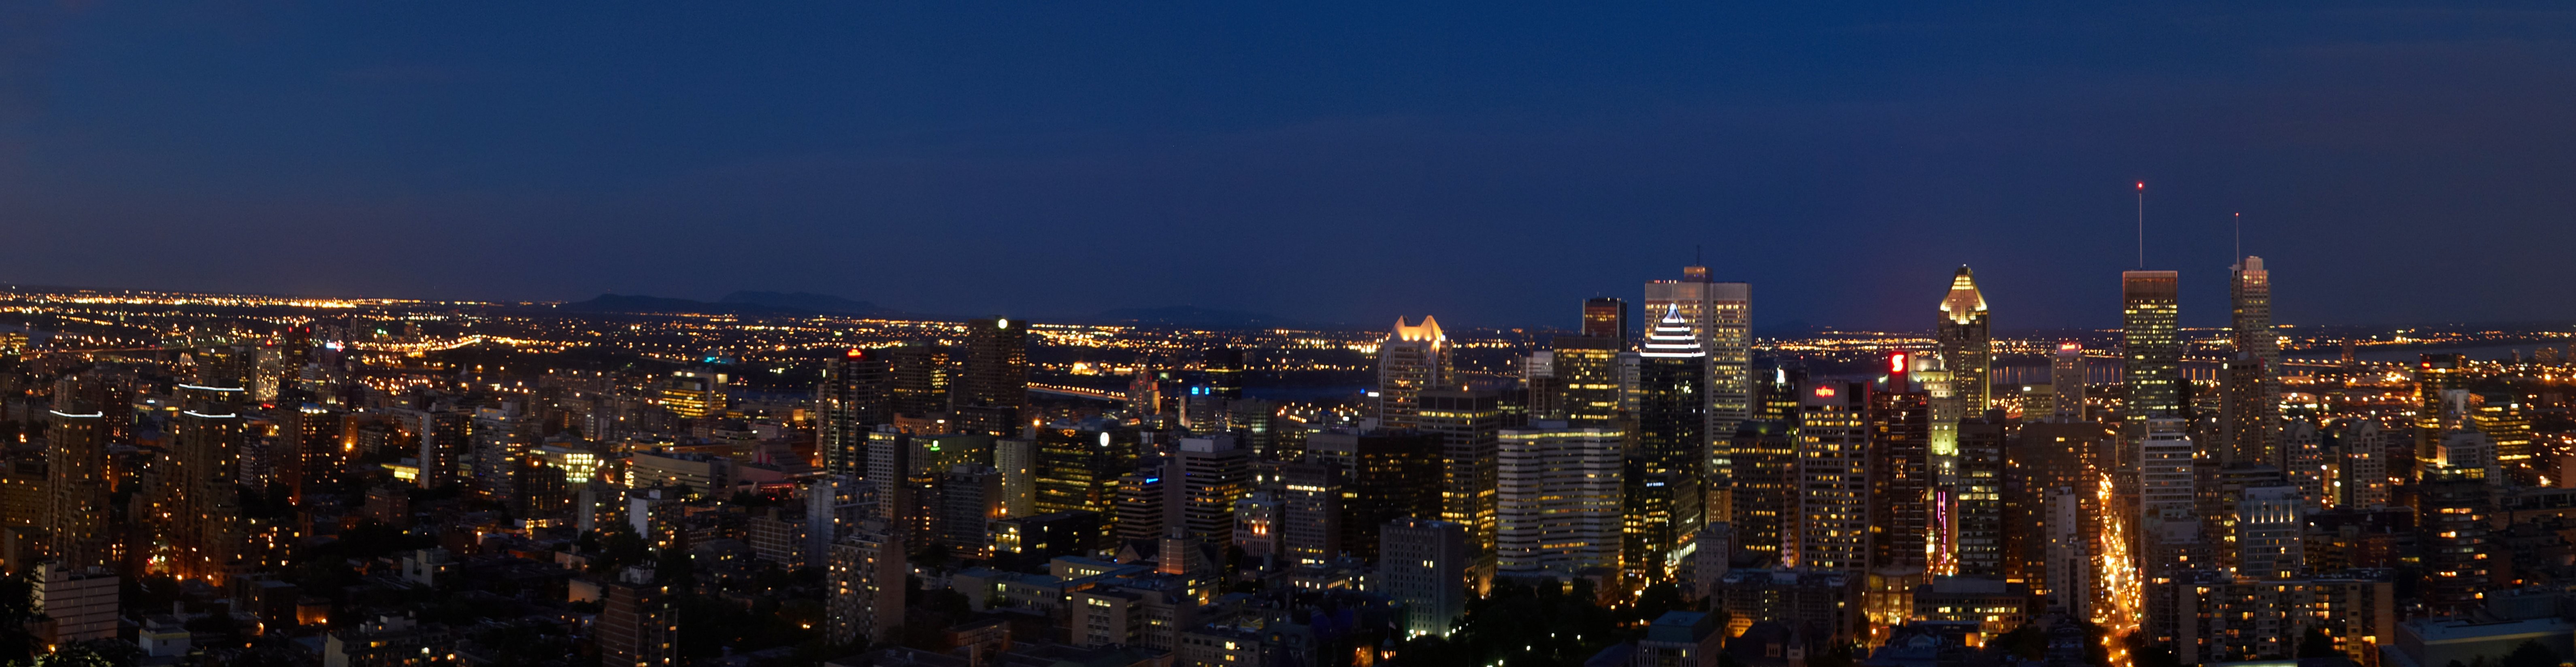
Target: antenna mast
2142,224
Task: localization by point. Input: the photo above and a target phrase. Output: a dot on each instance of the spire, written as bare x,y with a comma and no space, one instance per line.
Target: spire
1964,303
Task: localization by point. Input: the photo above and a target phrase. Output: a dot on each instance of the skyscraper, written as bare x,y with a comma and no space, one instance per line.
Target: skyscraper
917,380
2151,340
2249,418
1385,476
1559,498
1720,316
1833,478
2066,375
993,382
77,486
1585,370
1900,471
1666,475
1215,471
206,531
1606,317
1966,347
1468,424
1425,567
1411,359
849,403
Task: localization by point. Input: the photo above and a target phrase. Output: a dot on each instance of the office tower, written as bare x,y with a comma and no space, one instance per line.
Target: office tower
1426,566
907,468
850,402
1666,474
1833,479
313,453
1965,345
1311,512
1214,471
2436,376
1586,375
1468,424
2166,488
1024,543
2250,417
1077,469
638,624
917,379
2066,377
1017,459
1977,495
1606,317
867,584
1223,367
77,487
1765,508
2151,340
2068,575
1900,472
970,499
1410,360
1144,393
2268,525
993,378
1720,316
206,531
1559,499
834,504
1385,476
1143,509
2501,417
2362,476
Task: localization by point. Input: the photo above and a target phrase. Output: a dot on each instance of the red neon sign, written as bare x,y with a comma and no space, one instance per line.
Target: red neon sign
1824,391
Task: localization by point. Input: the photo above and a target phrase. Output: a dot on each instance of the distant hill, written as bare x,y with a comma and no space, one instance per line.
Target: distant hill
1188,316
821,303
638,303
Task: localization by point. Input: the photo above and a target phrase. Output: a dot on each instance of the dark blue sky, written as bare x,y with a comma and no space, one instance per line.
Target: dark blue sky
1490,164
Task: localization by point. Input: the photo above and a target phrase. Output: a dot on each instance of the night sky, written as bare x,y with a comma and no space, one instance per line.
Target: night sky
1491,164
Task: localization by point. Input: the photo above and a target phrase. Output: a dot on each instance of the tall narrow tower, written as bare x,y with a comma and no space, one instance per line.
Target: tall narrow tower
1665,475
1967,349
2250,417
852,401
1411,359
2151,341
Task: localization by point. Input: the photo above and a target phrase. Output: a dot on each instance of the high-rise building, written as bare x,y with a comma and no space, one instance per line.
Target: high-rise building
1412,359
2066,376
2251,416
1720,316
1965,344
1468,424
1585,372
1765,507
77,487
638,625
2166,488
850,402
1606,317
1560,499
695,393
1385,476
1426,564
1977,495
1224,369
311,448
1833,479
2151,341
1667,475
206,527
867,584
1900,472
993,380
917,379
1310,504
1077,469
2269,520
1215,471
970,499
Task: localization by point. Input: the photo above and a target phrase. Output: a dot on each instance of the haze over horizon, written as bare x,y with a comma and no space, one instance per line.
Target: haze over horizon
1341,163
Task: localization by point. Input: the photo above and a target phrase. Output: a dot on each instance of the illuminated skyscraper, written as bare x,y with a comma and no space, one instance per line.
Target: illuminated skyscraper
1585,372
1966,347
1833,478
1763,508
695,393
2151,340
850,402
2249,419
1720,316
1559,499
1900,477
1469,424
1411,359
206,531
1669,469
917,380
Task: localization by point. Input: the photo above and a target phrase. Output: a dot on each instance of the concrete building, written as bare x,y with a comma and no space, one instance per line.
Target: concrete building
1426,564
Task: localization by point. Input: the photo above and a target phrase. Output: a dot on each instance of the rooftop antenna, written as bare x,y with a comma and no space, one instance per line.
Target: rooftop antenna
2240,236
2142,224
